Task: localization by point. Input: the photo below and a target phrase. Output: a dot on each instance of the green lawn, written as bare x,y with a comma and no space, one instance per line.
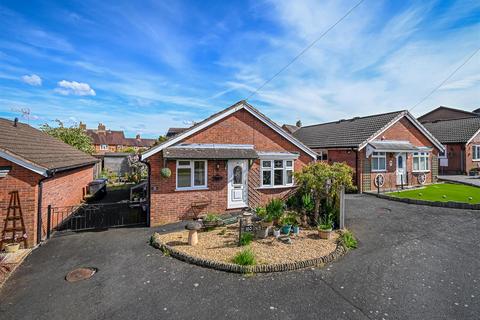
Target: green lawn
442,192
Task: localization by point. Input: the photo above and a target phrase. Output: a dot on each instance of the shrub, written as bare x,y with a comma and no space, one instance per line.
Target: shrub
275,208
245,258
288,219
212,217
261,212
246,238
348,240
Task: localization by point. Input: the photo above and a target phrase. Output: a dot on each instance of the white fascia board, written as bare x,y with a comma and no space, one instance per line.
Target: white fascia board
270,124
284,134
277,155
415,122
28,165
188,133
471,139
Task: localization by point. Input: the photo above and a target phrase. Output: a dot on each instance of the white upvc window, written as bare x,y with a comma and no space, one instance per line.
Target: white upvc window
379,162
476,152
443,155
276,173
322,155
191,174
104,147
421,161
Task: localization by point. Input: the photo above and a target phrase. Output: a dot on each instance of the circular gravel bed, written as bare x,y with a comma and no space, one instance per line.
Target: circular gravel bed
216,249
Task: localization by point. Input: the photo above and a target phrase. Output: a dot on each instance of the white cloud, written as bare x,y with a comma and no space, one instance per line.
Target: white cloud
32,80
73,87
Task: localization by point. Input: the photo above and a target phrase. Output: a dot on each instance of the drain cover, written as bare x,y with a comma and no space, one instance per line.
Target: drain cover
80,274
384,210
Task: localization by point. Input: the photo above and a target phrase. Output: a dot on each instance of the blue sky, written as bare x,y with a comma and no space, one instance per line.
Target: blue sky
143,66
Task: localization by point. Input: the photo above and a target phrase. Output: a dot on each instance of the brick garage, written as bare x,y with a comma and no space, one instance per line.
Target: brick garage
37,165
237,130
362,140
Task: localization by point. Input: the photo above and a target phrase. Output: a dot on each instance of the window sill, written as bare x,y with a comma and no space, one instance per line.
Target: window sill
275,187
191,189
476,160
379,171
421,171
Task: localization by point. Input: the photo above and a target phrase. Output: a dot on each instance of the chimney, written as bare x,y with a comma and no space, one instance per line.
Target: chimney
299,123
82,126
15,122
137,136
101,127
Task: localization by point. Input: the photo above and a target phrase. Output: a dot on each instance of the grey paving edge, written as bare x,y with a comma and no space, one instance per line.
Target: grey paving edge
235,268
448,204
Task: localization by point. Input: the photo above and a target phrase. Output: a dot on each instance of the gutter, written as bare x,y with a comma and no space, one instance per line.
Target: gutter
49,174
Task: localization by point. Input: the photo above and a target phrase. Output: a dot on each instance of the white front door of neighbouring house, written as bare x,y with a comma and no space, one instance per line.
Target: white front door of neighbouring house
401,169
237,184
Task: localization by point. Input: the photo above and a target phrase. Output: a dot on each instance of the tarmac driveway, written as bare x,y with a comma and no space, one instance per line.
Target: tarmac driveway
414,262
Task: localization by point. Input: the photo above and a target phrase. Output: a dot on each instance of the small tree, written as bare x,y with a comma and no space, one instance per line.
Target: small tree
73,136
323,180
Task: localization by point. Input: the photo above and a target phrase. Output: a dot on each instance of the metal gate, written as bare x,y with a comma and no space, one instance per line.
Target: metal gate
96,216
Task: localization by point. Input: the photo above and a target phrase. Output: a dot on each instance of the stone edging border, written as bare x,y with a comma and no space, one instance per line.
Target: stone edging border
448,204
235,268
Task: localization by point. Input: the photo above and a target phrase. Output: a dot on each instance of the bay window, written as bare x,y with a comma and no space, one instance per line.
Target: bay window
476,152
191,174
379,161
276,173
421,161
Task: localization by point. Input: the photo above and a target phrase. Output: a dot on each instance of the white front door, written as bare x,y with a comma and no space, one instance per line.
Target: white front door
401,171
237,184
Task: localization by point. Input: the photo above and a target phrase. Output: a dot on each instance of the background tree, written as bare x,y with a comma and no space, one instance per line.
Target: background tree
73,136
160,140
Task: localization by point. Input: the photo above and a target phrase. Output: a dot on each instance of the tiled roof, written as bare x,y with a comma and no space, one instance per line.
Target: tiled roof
174,131
212,151
38,148
290,128
117,138
454,131
344,133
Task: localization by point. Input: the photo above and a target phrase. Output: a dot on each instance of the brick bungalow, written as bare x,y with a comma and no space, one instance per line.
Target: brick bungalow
234,159
461,138
43,170
393,149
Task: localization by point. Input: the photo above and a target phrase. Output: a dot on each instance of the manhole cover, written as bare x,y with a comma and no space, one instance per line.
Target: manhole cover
80,274
384,210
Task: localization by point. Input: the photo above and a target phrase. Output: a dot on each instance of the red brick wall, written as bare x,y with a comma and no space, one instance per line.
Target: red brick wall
168,205
25,182
65,189
470,163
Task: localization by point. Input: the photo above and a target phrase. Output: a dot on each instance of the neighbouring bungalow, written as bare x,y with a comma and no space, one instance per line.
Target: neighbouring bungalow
234,159
105,140
461,138
447,113
174,131
385,151
44,171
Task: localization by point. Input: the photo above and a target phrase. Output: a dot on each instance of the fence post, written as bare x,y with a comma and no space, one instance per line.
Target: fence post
342,208
49,219
401,180
378,184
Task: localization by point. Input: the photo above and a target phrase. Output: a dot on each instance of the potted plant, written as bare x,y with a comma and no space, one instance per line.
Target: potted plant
275,209
296,228
276,233
12,247
266,220
325,226
286,222
211,221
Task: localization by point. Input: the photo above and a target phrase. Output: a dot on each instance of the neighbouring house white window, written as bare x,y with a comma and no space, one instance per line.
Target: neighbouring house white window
476,152
191,174
104,147
379,161
421,161
322,155
276,173
443,155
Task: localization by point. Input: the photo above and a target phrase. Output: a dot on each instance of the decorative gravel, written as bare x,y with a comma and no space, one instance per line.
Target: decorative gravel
220,245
